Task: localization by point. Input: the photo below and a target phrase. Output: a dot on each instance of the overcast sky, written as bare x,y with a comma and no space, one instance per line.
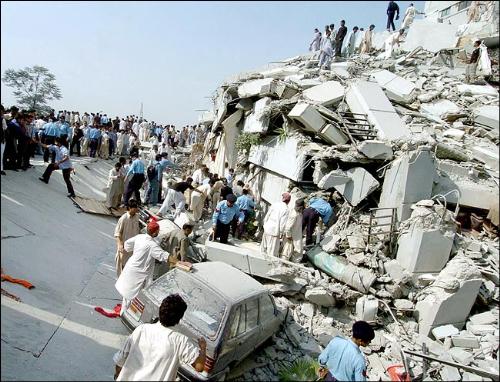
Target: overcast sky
111,56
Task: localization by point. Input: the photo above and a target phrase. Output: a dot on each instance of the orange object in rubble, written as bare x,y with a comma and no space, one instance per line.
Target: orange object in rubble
397,373
11,279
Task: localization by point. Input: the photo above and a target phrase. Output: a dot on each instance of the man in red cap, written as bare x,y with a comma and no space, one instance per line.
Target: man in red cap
274,226
138,271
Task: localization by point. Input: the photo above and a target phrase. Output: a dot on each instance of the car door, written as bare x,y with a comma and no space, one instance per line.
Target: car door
269,320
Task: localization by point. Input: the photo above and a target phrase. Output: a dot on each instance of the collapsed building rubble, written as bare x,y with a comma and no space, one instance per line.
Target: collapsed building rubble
408,154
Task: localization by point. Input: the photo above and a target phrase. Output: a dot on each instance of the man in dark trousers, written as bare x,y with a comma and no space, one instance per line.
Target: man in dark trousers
470,70
392,9
62,162
136,170
339,39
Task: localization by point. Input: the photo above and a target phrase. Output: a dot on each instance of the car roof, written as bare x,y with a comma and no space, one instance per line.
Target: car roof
227,280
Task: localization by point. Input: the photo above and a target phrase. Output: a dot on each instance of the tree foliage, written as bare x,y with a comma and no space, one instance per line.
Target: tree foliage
33,87
247,140
303,369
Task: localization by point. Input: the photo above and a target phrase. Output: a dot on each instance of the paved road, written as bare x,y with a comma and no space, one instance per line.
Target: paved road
54,333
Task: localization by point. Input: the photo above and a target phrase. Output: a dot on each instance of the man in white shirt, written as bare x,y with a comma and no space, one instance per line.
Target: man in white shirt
153,352
274,226
198,176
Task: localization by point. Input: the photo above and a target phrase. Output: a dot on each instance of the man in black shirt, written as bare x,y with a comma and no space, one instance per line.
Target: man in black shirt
470,70
225,190
392,9
339,38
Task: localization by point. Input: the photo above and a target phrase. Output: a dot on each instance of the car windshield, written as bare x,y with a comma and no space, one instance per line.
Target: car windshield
204,308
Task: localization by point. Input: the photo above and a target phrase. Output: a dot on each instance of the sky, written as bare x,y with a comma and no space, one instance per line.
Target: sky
171,56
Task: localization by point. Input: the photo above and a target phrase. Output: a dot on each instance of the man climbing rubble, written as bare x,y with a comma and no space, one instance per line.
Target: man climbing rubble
223,216
342,360
274,226
470,70
318,208
293,248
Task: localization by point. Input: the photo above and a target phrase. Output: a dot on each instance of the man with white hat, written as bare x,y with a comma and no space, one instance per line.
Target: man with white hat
274,226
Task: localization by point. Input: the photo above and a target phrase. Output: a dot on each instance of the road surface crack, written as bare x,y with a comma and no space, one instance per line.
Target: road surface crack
36,355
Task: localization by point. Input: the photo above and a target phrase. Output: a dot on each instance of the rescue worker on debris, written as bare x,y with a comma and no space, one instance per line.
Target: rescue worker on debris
138,271
274,226
342,360
223,216
153,352
293,248
318,208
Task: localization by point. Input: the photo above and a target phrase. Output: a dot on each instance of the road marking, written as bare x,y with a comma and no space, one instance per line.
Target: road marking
12,200
102,337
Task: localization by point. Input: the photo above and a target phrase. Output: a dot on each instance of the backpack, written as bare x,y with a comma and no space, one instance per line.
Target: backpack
152,172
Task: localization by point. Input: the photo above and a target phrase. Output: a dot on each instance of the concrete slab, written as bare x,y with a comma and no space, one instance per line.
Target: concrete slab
397,88
486,155
439,109
376,150
487,115
466,89
441,332
328,93
231,121
424,251
333,135
472,194
408,180
308,116
465,341
273,186
306,83
253,88
361,184
430,35
368,98
257,122
280,72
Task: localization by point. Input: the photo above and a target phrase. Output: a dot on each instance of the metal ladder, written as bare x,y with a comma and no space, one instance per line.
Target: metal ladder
356,126
374,222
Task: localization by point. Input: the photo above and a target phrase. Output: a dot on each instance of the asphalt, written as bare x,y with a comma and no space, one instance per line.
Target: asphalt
54,332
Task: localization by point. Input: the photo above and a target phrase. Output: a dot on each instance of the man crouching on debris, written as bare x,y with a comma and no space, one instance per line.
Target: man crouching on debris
318,208
342,360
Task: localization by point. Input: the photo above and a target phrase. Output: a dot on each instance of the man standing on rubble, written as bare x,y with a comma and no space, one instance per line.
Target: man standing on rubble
126,228
274,226
136,170
318,208
314,46
138,271
392,9
470,70
342,360
326,52
366,43
339,39
223,217
293,249
351,45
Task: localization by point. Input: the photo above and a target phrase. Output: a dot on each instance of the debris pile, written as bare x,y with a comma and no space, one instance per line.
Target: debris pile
408,155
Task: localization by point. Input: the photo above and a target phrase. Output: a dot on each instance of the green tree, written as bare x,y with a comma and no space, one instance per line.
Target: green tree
33,87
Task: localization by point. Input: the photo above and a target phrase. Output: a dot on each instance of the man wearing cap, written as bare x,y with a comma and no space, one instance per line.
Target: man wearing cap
274,226
136,171
318,208
223,216
138,271
293,248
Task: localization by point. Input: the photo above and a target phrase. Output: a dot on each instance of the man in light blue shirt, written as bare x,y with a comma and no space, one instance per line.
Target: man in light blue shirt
94,135
342,360
246,204
62,162
318,207
50,132
63,127
223,216
136,171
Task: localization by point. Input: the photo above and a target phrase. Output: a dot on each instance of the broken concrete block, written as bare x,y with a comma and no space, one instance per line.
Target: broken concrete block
285,91
308,116
361,184
450,298
244,104
320,170
480,330
307,309
356,242
454,133
360,279
484,318
306,83
430,35
257,122
403,304
439,109
409,179
265,86
273,186
332,134
441,332
334,178
424,251
328,93
487,156
466,89
450,373
281,72
231,121
368,98
397,88
367,309
465,341
461,356
329,242
376,150
320,296
394,269
487,115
